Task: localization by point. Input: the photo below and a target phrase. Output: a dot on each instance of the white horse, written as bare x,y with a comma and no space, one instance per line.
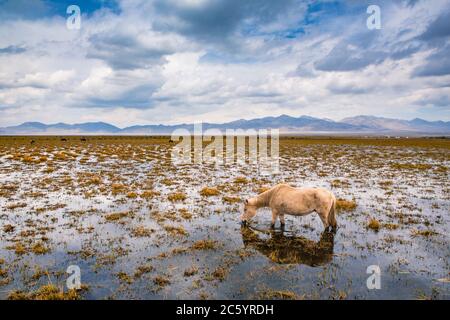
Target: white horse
284,199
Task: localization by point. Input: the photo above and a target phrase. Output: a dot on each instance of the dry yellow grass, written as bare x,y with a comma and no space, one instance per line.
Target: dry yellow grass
185,214
18,248
231,199
39,248
219,273
423,233
411,166
270,294
117,216
204,245
148,194
46,292
3,273
176,230
124,277
118,188
177,196
161,281
132,195
16,206
374,224
240,180
345,205
8,228
390,226
209,192
190,271
141,231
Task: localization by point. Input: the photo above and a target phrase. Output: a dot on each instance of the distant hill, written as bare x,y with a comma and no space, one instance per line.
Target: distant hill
61,128
396,125
285,123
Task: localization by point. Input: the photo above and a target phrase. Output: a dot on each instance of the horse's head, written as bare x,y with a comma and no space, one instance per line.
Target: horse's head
249,210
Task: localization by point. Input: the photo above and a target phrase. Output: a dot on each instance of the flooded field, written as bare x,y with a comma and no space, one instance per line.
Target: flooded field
139,227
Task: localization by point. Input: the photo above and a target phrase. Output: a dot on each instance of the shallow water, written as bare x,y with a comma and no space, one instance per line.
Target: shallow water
64,202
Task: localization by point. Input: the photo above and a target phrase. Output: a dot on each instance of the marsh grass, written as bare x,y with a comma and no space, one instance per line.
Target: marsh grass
143,269
141,231
161,281
209,192
185,214
18,248
220,273
229,199
16,206
149,194
141,209
191,271
118,216
176,230
124,277
240,180
39,248
45,292
423,233
390,226
411,166
374,224
3,273
132,195
270,294
345,205
7,228
177,196
206,244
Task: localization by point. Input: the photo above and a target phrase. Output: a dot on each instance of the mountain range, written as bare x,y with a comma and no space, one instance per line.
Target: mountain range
285,123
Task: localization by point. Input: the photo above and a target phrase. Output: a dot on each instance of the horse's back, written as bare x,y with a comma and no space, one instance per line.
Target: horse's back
318,196
325,193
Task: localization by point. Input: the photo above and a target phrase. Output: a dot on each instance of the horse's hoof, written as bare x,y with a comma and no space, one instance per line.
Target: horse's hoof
282,225
272,226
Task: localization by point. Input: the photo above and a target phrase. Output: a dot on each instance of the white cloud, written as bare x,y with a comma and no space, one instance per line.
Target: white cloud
150,63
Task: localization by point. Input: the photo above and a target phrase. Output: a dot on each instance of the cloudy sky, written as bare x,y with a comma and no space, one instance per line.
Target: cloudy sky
172,61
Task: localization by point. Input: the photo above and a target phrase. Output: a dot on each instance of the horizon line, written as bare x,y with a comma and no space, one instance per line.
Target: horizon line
191,123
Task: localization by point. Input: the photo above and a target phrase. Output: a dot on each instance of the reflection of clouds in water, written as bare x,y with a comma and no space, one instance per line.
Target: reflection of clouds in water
73,239
311,220
286,249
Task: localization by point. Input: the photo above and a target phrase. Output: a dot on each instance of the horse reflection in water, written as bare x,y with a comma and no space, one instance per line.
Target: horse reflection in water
288,249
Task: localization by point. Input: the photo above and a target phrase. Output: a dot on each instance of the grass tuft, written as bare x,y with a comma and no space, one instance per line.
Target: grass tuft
374,224
209,192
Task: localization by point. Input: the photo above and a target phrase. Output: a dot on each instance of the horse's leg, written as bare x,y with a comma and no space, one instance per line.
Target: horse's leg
282,222
324,217
274,218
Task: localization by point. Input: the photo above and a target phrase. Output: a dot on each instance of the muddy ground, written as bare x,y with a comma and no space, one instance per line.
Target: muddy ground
139,227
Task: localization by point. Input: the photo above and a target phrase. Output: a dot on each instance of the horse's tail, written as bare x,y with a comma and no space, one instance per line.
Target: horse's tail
332,214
